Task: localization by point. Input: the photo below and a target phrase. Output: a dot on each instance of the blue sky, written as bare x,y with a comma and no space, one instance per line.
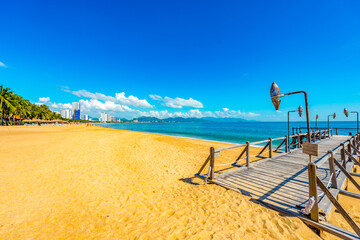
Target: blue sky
183,58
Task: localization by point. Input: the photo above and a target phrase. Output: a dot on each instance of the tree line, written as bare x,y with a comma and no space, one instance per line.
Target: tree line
14,108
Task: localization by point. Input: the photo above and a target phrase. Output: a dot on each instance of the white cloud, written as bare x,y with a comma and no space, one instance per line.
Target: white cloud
131,101
155,97
44,99
61,105
177,102
104,106
196,113
2,65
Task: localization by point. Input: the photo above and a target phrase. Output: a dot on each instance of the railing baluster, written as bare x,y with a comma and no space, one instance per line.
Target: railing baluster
247,154
212,162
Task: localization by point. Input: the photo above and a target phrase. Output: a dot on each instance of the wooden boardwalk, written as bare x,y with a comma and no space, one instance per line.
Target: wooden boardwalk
282,181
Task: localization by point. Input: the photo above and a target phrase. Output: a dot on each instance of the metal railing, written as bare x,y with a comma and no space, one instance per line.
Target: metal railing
285,145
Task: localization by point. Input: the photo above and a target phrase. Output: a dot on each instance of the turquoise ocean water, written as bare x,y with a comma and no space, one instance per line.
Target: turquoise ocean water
238,132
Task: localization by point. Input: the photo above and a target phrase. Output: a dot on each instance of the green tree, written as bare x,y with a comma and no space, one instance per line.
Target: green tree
6,102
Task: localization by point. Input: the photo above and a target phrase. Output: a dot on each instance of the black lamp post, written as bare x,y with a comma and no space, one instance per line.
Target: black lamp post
289,121
334,116
346,112
275,98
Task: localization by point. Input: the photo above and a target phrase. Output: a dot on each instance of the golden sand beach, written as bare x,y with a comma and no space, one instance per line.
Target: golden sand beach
78,182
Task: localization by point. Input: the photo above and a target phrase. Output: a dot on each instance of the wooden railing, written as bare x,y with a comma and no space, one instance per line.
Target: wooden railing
349,151
285,145
296,130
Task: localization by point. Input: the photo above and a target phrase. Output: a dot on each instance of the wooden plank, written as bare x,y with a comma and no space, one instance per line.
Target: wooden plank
348,175
337,231
355,174
241,154
350,194
314,214
262,150
311,149
325,205
332,170
203,166
351,157
212,162
338,206
247,154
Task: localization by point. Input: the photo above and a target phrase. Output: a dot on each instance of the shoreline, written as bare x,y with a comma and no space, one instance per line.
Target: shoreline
169,135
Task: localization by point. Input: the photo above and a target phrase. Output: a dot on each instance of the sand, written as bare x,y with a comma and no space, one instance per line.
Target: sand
78,182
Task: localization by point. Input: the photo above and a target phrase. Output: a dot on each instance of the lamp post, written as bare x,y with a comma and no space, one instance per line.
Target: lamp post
300,111
275,98
346,112
334,116
317,116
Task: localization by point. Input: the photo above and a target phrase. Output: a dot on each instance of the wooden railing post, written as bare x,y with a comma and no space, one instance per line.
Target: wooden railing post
270,147
314,136
247,154
343,157
293,131
314,214
298,139
212,162
328,133
286,143
332,132
332,169
337,131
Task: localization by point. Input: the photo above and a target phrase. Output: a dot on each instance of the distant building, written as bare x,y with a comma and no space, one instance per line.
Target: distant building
86,117
76,105
103,117
76,114
66,113
76,108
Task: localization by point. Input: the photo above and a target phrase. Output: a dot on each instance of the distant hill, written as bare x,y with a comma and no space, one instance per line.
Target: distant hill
181,119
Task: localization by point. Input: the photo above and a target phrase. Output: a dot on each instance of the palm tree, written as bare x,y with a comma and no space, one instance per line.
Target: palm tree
6,102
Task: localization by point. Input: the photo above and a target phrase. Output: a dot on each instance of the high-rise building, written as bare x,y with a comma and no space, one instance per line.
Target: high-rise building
76,108
76,105
104,117
66,113
86,117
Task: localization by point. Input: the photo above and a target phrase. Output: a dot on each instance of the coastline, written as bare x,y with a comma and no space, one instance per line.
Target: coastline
169,135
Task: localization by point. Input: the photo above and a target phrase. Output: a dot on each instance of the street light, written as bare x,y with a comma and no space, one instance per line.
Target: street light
300,111
275,98
334,116
346,112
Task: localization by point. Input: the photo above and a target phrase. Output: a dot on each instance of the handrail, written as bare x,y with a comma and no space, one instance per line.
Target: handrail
314,181
290,142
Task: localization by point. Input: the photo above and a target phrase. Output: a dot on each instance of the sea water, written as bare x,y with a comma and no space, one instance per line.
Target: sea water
233,132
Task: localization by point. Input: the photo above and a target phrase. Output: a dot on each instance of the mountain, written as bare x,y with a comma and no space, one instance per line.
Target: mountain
181,119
